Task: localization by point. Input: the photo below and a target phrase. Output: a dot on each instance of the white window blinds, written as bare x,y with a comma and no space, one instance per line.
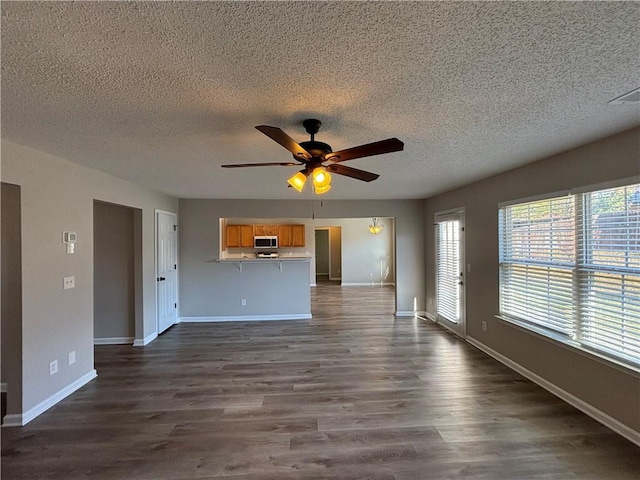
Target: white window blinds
610,271
571,265
448,270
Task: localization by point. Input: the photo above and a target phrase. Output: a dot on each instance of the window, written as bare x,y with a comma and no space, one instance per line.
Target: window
570,269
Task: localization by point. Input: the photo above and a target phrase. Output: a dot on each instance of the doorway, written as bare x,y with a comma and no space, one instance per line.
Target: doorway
322,255
11,348
117,267
328,254
450,273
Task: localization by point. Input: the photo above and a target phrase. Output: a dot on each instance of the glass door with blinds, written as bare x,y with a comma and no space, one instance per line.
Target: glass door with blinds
449,232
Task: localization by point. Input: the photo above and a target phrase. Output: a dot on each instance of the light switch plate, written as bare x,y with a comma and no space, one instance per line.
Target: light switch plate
69,282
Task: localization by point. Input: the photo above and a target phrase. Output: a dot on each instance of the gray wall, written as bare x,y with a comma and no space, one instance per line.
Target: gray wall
367,258
268,290
114,271
58,195
203,287
11,297
614,391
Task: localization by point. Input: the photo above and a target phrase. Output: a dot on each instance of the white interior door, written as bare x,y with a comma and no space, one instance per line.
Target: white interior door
166,270
450,276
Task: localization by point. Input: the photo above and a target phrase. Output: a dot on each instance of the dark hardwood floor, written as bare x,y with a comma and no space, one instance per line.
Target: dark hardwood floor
354,393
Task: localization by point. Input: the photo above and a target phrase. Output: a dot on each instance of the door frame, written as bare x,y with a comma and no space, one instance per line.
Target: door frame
155,264
459,329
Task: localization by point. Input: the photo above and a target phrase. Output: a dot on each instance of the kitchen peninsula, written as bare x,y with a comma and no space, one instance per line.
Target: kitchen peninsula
266,269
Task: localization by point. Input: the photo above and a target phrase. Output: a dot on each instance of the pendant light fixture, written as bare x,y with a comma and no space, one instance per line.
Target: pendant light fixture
376,227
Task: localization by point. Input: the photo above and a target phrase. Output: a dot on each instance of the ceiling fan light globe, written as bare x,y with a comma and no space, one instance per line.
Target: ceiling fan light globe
298,181
322,190
321,178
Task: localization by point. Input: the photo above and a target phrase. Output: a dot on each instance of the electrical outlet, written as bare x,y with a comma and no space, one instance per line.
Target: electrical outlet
431,302
243,302
69,282
72,357
484,326
53,367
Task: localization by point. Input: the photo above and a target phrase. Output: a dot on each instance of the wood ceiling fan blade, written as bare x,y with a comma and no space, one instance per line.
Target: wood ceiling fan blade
376,148
277,135
352,172
242,165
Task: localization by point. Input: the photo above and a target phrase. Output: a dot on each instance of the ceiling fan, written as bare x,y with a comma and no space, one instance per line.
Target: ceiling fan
318,159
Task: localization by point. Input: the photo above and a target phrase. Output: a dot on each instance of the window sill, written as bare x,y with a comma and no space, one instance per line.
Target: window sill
560,341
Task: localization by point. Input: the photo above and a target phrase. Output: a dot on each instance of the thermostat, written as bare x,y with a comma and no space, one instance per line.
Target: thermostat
69,238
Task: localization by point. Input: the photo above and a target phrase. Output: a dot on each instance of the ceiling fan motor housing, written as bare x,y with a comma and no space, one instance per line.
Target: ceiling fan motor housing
316,149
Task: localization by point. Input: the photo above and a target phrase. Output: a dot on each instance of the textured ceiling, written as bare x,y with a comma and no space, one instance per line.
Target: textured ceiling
164,93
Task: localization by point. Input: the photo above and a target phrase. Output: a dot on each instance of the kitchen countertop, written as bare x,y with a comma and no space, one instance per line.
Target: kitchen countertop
284,258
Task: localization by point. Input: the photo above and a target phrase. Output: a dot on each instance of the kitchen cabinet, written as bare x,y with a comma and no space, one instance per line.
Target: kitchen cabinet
297,235
291,235
284,235
239,236
262,230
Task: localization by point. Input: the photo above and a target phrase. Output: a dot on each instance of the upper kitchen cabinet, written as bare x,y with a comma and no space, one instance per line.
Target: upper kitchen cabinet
284,235
239,236
261,230
297,236
291,235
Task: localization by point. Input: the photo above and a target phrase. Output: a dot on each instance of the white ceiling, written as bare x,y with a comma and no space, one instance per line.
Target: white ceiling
164,93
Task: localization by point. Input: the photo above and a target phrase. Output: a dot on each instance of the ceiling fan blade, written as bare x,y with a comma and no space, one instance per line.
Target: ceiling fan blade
242,165
352,172
277,135
376,148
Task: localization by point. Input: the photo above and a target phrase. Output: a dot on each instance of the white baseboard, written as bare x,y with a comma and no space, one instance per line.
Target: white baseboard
245,318
313,285
113,341
587,408
20,420
146,340
368,284
3,387
405,313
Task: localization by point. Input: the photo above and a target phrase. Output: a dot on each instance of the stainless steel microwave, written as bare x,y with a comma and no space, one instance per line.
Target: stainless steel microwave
265,241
